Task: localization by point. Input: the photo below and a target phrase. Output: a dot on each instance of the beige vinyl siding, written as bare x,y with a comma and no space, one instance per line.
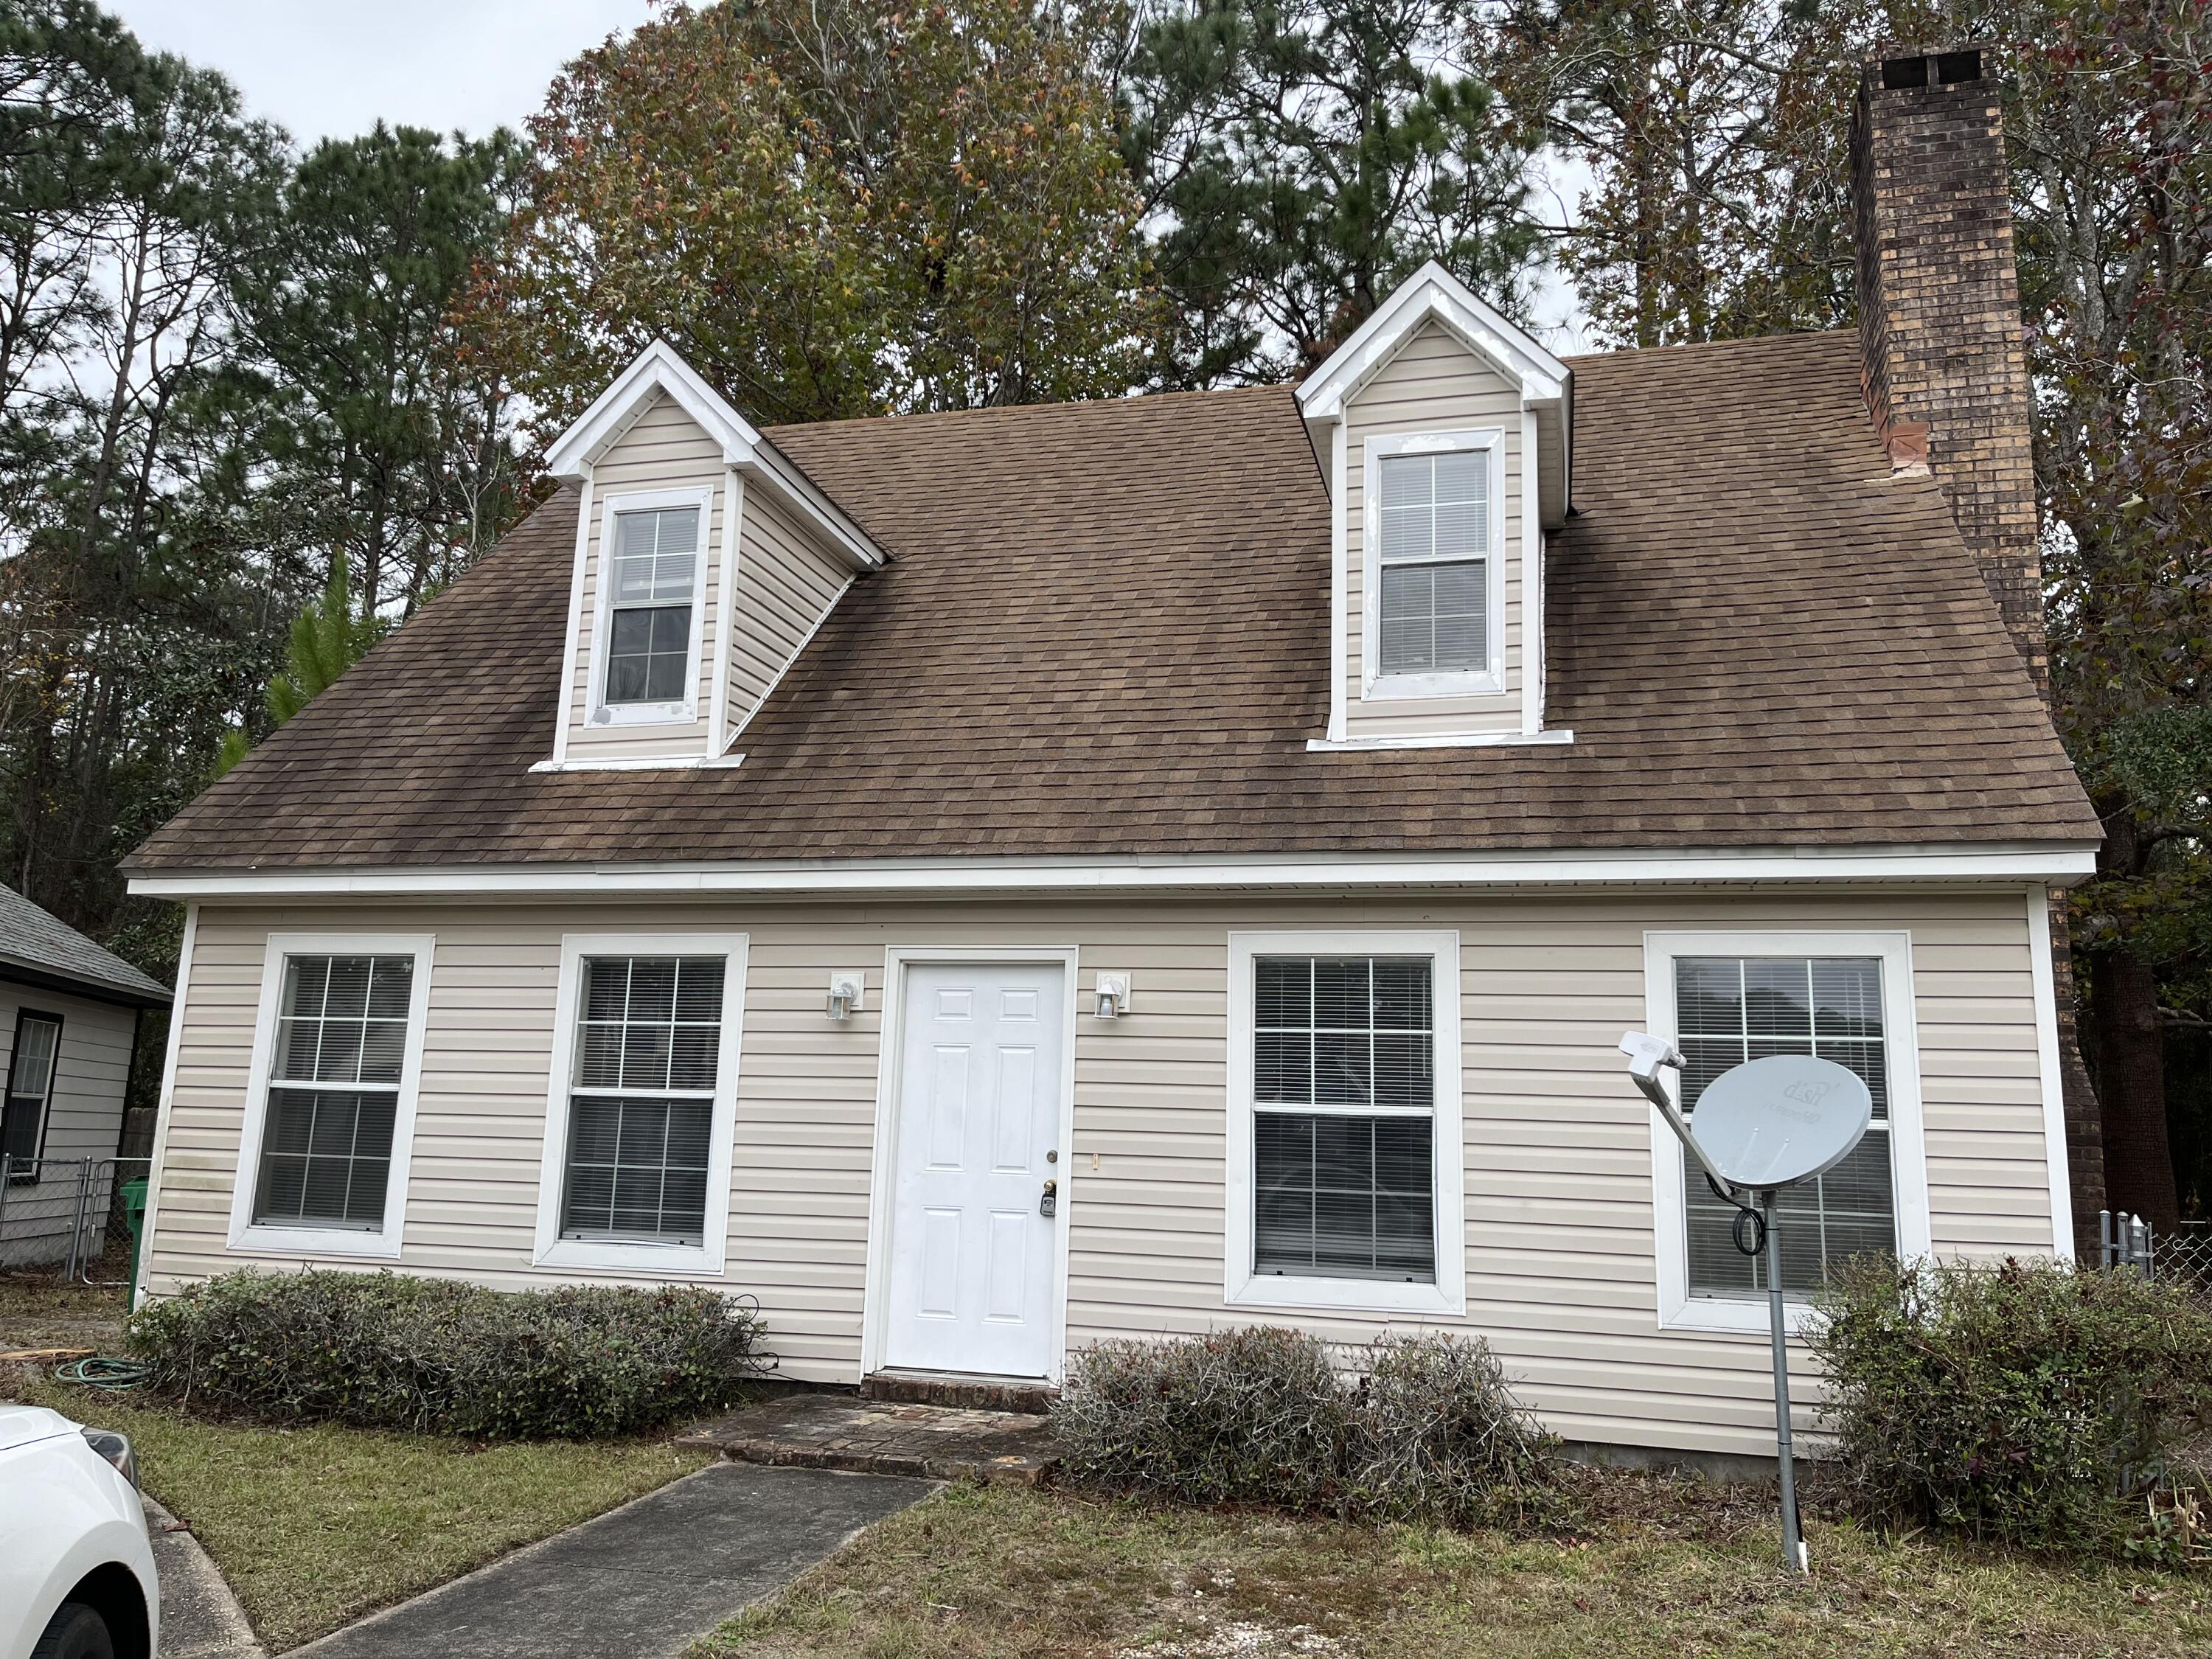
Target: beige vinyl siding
84,1118
1434,384
664,449
1560,1251
785,586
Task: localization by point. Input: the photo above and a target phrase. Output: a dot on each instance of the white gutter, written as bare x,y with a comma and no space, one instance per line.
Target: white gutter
1158,872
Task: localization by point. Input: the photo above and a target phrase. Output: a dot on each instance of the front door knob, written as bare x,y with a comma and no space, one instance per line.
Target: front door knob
1049,1204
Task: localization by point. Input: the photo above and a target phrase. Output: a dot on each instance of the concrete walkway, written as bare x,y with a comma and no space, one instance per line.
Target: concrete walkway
641,1582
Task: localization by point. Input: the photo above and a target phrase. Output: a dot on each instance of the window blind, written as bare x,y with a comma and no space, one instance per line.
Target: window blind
1344,1130
641,1113
334,1092
1434,512
1731,1010
653,578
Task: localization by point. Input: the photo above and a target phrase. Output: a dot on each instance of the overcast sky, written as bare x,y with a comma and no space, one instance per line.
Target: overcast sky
331,68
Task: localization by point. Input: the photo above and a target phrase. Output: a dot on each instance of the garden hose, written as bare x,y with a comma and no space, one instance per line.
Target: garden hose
100,1372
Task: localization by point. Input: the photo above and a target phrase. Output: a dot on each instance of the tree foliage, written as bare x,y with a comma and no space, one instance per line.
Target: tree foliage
830,208
225,375
1301,158
327,638
1712,132
384,450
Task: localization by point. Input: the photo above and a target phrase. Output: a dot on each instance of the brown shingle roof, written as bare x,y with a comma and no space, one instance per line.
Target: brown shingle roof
1105,629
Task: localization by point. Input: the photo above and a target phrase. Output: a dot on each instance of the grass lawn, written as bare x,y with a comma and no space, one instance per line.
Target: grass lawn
314,1527
1672,1572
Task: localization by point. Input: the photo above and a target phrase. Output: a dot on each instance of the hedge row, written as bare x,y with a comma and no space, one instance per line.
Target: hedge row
440,1356
1429,1432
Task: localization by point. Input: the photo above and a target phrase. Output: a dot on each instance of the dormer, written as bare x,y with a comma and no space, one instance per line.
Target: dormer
704,561
1446,433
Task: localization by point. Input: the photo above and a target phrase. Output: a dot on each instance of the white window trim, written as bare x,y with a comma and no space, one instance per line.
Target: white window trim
249,1237
1908,1159
1377,687
1242,1286
642,1257
600,713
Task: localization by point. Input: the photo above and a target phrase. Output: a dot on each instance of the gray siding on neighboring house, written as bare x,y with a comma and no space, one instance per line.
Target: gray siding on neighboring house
91,1073
1433,385
1559,1204
84,1117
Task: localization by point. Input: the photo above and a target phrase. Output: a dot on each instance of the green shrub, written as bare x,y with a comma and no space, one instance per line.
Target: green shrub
440,1357
2033,1404
1260,1415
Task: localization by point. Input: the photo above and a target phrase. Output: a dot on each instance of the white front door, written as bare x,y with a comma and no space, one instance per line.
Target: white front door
972,1255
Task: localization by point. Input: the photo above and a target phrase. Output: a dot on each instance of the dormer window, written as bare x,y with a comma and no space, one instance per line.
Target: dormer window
1435,549
655,577
1434,607
647,642
1445,432
704,561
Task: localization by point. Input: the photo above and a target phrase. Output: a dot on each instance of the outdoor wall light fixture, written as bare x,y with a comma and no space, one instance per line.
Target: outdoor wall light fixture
844,995
1113,995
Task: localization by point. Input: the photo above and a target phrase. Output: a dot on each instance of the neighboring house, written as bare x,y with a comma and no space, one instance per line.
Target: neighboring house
983,883
68,1030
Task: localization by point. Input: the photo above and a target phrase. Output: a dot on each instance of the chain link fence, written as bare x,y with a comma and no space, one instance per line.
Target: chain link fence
2182,1252
69,1214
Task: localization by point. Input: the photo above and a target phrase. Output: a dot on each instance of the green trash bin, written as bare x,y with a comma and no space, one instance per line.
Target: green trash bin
134,1217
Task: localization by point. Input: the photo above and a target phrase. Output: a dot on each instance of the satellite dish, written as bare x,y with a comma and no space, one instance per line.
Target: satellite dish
1762,1126
1785,1119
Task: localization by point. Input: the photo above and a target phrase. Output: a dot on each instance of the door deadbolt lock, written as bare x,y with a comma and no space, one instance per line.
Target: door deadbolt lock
1049,1203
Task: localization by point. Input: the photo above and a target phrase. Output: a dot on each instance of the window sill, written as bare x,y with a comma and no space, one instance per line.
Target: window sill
615,1256
262,1240
1378,1296
1729,1316
1410,688
643,713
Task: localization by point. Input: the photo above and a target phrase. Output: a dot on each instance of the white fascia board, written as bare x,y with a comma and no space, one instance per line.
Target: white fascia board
1163,872
659,369
800,492
1433,292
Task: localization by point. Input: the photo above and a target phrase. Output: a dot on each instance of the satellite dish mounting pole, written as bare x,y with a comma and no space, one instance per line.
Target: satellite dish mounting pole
1777,1122
1793,1538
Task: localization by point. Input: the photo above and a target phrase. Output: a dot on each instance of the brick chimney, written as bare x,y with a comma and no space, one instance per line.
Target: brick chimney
1945,370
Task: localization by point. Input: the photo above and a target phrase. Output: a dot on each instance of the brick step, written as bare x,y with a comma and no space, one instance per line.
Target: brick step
838,1431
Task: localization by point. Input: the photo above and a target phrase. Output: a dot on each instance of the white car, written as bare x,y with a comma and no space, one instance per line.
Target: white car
76,1569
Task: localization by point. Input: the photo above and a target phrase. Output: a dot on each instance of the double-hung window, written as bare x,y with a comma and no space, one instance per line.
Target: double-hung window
1735,999
1433,527
1344,1121
639,1124
330,1122
649,1038
652,588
